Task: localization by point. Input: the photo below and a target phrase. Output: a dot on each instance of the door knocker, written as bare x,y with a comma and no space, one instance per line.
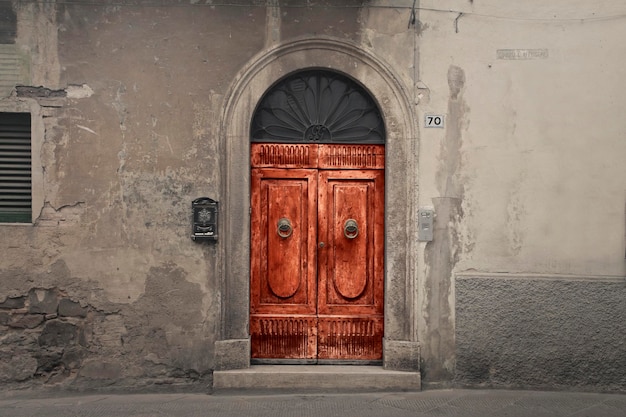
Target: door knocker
284,228
350,229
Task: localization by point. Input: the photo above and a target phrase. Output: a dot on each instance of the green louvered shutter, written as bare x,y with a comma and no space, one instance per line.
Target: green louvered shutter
15,168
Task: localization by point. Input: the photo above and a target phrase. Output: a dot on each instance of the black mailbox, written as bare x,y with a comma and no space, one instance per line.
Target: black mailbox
205,212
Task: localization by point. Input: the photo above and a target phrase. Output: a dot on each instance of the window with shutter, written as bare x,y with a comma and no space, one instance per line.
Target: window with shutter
15,168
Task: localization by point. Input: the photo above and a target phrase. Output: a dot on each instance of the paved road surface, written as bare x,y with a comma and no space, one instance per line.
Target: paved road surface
480,403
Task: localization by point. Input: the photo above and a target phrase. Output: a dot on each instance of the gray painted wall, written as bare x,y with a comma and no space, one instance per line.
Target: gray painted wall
548,332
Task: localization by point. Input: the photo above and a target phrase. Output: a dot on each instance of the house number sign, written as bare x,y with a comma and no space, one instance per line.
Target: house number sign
434,120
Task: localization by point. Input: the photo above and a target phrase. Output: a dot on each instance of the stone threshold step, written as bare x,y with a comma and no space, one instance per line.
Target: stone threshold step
335,378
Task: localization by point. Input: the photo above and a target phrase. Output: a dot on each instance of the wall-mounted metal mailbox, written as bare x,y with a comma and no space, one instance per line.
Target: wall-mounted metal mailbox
205,214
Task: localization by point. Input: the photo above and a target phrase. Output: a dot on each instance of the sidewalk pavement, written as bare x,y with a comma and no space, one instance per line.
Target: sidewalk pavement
453,402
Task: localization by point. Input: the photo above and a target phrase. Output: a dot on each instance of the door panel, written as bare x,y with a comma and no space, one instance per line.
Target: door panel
350,268
347,266
317,252
350,338
283,282
350,275
283,263
286,208
283,337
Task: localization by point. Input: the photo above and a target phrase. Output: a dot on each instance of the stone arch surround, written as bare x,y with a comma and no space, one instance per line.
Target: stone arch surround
400,347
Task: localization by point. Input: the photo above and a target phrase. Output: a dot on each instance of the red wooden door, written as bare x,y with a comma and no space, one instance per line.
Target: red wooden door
317,252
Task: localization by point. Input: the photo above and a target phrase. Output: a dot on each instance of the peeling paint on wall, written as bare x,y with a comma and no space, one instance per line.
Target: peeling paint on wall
449,183
442,253
63,216
127,104
56,335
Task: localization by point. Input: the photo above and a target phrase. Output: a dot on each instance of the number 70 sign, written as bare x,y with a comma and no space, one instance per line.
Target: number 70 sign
434,120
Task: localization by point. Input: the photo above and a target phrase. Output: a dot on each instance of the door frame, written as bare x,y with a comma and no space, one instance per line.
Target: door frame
400,345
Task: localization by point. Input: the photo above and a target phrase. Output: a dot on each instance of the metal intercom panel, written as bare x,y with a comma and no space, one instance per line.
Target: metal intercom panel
426,219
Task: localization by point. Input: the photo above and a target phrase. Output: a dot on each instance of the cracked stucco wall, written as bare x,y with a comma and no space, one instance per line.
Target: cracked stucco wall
527,180
106,288
127,138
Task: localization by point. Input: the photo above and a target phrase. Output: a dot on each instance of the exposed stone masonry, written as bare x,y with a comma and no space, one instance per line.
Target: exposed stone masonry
74,338
47,338
43,335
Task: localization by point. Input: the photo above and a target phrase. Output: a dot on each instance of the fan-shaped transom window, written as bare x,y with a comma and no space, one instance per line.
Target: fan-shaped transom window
317,106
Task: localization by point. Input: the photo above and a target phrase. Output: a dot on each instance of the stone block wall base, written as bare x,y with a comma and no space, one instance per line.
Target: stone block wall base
400,355
232,354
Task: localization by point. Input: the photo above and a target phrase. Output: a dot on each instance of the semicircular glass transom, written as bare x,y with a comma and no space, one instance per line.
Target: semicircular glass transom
317,106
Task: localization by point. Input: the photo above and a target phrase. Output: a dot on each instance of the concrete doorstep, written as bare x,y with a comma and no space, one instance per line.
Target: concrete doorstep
321,378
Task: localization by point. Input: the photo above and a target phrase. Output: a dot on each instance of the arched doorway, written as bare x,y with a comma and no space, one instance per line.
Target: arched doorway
317,222
232,350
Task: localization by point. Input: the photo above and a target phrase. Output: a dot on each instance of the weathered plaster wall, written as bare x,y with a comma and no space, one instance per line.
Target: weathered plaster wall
106,288
540,151
527,176
130,101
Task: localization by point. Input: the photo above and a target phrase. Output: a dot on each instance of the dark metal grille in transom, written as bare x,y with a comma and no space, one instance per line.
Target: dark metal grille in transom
317,106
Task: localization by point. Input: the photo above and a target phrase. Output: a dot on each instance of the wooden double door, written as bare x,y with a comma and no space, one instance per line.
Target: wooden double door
317,234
